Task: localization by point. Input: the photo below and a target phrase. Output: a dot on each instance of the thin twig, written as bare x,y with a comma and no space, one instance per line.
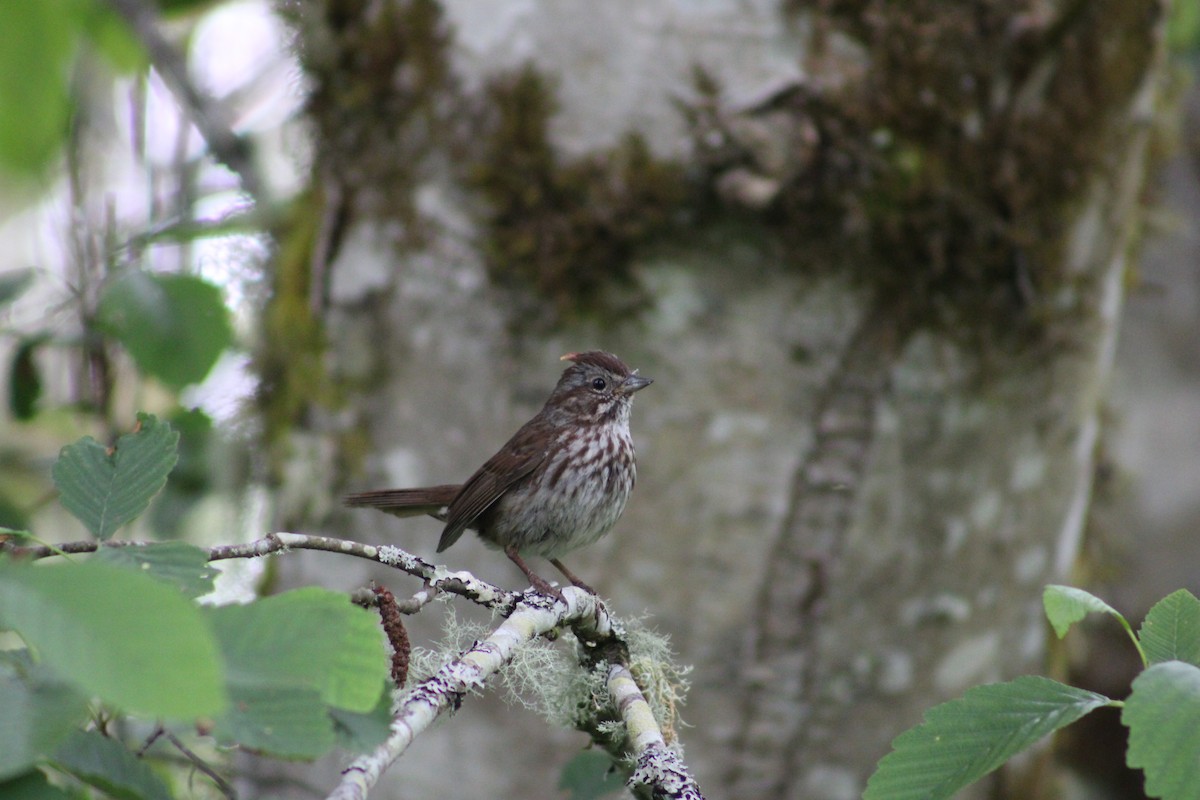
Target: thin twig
158,731
201,765
436,578
209,117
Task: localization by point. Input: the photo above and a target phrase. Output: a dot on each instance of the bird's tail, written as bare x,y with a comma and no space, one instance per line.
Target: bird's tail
431,500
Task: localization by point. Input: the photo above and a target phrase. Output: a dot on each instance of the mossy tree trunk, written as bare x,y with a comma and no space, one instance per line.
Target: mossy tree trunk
872,252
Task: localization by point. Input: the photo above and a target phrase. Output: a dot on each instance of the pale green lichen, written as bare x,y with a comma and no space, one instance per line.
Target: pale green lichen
548,678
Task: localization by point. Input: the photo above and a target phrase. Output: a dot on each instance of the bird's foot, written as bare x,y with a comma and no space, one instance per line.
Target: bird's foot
572,577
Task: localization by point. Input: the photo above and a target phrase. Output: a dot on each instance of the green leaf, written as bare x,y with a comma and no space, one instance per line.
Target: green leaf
37,47
964,739
358,731
107,489
24,381
174,326
13,284
35,715
590,775
1183,27
310,638
31,786
1066,605
192,479
112,37
174,9
130,640
290,656
1171,630
108,765
290,722
1163,716
180,564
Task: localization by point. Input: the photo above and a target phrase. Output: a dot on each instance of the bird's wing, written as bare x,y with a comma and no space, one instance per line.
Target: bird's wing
519,457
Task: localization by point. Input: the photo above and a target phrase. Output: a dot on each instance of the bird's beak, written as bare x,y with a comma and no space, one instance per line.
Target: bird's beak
635,382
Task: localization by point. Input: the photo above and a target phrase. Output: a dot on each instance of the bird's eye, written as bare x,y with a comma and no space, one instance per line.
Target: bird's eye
598,384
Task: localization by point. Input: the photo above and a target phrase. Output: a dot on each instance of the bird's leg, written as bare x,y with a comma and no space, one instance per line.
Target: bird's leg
538,581
572,577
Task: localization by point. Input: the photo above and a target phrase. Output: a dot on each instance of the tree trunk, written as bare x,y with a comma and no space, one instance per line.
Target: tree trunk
872,254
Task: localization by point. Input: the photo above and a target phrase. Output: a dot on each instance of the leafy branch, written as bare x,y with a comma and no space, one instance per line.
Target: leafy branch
289,675
962,740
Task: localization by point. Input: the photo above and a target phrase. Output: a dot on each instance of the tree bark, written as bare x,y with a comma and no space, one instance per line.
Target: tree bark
849,498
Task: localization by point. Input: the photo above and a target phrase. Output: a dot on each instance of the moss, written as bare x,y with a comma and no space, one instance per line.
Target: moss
383,97
380,80
945,177
565,228
290,359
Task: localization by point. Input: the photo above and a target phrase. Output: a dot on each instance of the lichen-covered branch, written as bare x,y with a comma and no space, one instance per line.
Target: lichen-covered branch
658,767
446,688
659,771
436,578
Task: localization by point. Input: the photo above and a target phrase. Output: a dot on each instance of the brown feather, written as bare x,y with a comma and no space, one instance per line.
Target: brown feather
431,500
519,457
601,359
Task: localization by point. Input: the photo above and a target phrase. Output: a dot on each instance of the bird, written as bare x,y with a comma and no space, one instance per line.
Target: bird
560,483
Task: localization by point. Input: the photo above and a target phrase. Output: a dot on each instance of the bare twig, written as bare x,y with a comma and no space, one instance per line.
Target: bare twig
437,578
209,117
200,764
158,731
367,598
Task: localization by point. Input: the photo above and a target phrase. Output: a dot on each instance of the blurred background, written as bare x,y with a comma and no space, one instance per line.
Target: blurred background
918,283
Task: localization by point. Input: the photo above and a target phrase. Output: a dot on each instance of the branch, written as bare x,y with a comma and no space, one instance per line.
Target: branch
658,767
446,688
529,615
201,765
439,578
209,117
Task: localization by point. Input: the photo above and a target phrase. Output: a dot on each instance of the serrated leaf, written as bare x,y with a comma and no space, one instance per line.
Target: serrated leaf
13,284
1066,605
310,638
130,640
191,480
1163,716
182,565
964,739
35,716
174,326
108,765
1171,630
106,489
290,722
590,775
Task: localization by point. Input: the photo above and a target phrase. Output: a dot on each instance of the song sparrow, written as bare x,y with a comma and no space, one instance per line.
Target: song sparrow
558,484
